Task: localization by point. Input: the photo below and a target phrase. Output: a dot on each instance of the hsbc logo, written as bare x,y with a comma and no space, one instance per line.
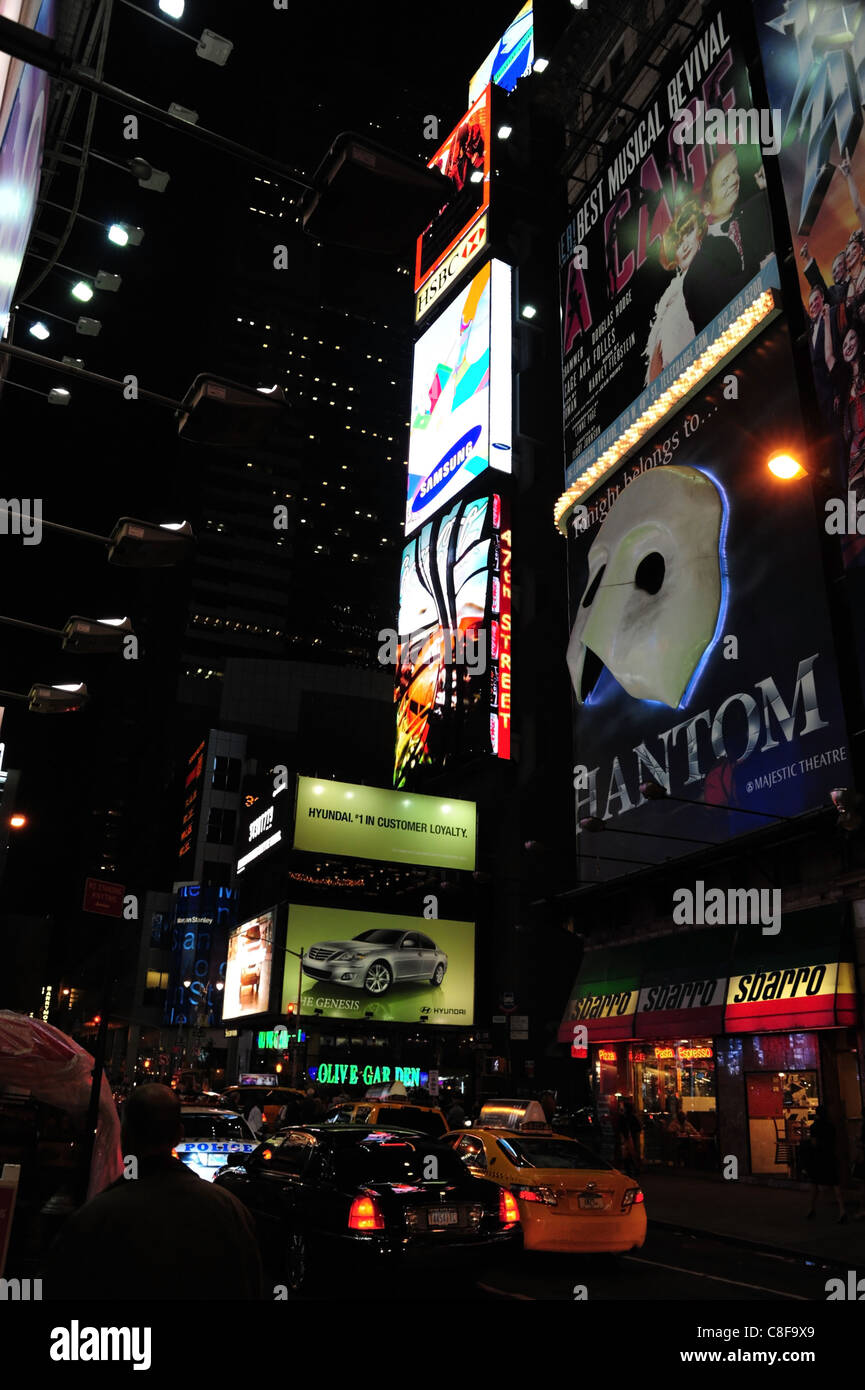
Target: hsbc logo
454,265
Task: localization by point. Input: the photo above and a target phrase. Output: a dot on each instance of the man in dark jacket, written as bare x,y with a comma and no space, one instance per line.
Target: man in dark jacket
163,1234
737,240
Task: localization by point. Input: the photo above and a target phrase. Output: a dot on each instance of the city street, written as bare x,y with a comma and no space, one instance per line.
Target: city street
446,882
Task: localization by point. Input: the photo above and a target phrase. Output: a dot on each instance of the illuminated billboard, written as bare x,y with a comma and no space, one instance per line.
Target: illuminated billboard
461,404
454,669
464,158
22,134
701,654
249,968
668,249
397,969
814,81
192,791
376,823
512,57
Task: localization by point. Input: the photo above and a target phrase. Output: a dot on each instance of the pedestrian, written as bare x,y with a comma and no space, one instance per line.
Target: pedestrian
124,1243
859,1172
630,1130
309,1110
456,1116
255,1118
823,1162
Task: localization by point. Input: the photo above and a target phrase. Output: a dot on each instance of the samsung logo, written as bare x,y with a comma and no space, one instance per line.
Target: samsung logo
452,461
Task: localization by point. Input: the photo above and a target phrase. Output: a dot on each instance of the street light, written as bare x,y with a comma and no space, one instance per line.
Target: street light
51,699
134,544
145,545
85,635
89,328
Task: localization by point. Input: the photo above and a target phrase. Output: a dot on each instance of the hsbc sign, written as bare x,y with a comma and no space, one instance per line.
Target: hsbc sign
465,251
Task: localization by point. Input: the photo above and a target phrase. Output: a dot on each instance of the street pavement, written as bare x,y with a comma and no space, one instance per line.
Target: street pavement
754,1215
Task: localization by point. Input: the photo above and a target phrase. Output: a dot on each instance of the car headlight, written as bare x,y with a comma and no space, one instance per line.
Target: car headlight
348,955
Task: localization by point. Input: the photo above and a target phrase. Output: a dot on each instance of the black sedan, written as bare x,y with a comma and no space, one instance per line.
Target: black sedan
344,1198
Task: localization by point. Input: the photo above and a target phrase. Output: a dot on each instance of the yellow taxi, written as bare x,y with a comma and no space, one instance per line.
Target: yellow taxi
569,1198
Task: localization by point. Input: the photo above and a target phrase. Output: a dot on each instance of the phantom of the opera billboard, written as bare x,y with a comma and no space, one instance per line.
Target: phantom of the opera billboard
398,969
672,231
814,66
700,652
464,158
461,403
453,679
249,968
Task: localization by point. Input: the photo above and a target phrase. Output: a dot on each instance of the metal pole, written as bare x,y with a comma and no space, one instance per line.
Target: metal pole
56,526
38,360
40,52
33,627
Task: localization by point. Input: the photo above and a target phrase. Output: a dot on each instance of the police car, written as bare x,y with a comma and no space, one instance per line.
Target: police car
212,1138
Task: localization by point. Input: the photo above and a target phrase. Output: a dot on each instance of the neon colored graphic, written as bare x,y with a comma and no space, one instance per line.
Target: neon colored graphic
453,661
455,363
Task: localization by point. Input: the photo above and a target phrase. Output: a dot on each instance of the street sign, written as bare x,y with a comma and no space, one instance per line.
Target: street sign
433,1085
104,898
500,1018
508,1001
519,1026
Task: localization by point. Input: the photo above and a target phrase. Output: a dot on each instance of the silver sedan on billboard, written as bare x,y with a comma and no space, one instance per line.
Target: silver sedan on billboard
377,959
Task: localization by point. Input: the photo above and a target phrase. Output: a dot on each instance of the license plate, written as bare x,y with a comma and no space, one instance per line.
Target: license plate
443,1216
592,1203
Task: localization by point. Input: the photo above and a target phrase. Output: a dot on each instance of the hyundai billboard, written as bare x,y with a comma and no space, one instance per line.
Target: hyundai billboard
343,964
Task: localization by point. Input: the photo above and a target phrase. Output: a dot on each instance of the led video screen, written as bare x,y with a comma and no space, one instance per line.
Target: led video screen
461,405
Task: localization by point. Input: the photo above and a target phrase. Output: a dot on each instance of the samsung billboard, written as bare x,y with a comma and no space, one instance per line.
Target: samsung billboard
461,402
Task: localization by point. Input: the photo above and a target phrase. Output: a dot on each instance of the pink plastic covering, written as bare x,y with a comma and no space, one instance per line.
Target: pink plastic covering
50,1065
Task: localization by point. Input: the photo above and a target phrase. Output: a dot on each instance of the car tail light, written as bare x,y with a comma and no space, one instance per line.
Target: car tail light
546,1195
633,1197
509,1212
365,1215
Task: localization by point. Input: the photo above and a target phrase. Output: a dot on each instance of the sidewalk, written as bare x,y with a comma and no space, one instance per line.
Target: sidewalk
769,1218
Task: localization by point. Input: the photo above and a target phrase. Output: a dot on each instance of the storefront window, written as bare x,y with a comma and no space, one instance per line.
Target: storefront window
668,1075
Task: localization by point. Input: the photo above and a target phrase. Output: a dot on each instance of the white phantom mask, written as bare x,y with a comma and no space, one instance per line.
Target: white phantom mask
651,602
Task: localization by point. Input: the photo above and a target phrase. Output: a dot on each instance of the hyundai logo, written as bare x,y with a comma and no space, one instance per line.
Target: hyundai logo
453,460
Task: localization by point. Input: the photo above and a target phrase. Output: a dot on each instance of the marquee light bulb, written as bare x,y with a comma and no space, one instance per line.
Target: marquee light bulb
785,466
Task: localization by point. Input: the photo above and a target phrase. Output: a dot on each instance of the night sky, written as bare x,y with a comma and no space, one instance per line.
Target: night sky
296,79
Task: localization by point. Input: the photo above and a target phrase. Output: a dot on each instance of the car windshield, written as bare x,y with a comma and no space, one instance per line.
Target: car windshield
397,1159
381,936
543,1152
213,1127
